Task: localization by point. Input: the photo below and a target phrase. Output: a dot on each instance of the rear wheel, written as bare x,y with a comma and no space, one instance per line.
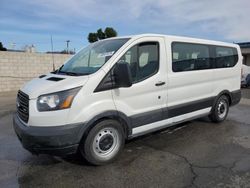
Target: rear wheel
220,110
103,143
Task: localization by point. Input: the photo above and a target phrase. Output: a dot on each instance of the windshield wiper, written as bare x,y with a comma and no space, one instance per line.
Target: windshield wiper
60,68
72,73
69,73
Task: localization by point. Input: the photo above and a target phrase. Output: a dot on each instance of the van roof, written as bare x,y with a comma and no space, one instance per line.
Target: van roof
180,38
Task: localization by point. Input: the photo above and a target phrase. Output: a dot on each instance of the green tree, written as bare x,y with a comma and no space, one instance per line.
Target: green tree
100,35
2,48
92,37
110,32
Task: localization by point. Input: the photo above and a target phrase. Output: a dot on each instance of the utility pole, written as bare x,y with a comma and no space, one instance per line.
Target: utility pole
12,45
52,53
67,41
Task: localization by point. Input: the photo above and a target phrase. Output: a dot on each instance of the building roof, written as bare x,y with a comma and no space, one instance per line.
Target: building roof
244,44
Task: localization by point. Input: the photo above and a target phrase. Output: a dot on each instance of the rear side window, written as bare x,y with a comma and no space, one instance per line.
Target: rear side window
189,57
225,57
143,60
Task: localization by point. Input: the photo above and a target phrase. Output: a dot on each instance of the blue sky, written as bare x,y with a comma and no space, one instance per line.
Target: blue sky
26,22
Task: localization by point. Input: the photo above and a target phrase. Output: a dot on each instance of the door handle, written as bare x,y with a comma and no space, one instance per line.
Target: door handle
159,83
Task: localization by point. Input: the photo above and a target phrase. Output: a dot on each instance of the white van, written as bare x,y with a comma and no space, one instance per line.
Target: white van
120,88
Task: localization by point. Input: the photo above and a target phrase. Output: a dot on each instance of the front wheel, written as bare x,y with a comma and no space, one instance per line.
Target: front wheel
220,110
103,143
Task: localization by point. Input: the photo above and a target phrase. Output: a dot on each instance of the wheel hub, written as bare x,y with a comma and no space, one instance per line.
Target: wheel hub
222,109
106,142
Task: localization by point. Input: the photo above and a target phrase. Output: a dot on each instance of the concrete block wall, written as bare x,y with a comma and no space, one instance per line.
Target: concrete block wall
16,68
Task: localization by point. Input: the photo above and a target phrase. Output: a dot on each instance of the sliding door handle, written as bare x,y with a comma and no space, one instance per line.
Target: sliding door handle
159,83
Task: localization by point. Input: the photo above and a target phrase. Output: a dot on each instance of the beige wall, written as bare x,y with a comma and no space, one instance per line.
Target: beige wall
16,68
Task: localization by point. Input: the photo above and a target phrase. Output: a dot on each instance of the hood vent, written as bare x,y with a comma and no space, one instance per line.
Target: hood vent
55,79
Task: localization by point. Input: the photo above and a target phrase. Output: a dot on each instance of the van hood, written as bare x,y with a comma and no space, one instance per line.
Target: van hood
51,83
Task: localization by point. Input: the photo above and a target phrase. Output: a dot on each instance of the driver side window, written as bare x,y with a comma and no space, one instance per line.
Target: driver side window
143,60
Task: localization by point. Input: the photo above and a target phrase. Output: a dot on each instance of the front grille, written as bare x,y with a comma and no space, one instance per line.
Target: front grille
23,106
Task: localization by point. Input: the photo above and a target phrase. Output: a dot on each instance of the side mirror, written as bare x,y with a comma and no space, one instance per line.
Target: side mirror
122,75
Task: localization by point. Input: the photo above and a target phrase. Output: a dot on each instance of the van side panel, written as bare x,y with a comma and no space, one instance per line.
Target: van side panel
187,86
227,78
144,99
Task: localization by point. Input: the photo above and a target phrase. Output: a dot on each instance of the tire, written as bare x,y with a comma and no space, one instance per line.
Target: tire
220,109
103,143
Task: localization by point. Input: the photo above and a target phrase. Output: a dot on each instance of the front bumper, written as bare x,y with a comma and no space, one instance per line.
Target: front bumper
58,140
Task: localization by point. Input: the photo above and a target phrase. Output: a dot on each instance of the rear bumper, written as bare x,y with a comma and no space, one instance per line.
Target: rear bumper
235,97
59,140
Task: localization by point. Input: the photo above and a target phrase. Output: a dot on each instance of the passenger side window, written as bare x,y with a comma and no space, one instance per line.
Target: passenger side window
225,57
143,60
189,57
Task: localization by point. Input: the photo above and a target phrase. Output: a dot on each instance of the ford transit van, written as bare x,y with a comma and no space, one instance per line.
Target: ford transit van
119,88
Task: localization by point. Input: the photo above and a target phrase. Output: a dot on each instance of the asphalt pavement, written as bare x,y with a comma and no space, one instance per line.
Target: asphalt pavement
194,154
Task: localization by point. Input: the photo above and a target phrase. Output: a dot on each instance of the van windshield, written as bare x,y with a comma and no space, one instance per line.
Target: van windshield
91,58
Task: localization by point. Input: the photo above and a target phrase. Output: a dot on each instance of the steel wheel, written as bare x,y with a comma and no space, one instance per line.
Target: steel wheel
106,142
103,143
222,109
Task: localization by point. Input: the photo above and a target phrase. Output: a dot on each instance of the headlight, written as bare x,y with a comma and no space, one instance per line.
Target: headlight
56,101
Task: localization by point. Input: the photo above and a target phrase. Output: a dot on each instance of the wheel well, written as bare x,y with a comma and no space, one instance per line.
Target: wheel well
228,97
225,93
95,122
117,118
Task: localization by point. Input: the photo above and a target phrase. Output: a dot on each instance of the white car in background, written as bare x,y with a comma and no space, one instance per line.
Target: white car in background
245,76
